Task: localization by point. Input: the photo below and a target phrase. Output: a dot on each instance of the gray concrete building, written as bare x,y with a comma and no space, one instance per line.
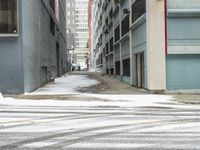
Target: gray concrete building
71,30
151,44
71,26
32,43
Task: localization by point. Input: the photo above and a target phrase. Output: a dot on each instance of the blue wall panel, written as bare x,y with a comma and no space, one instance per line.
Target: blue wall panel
11,63
183,72
11,72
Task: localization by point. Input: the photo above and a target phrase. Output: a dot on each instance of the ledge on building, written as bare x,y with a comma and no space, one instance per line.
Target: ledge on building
9,35
116,43
125,36
138,22
111,53
183,12
99,66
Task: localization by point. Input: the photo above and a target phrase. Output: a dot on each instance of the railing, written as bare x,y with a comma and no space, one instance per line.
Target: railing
138,9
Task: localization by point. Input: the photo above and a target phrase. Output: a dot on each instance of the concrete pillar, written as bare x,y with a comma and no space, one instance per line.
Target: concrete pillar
130,43
113,31
120,26
156,57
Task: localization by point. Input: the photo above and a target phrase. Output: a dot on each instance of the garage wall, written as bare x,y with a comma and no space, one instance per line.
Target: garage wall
11,64
183,72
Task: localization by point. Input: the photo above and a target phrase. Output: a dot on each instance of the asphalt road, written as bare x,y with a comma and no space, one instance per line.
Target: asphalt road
111,121
100,125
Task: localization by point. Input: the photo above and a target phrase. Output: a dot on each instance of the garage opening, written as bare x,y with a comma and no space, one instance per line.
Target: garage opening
140,69
111,71
126,67
107,71
117,65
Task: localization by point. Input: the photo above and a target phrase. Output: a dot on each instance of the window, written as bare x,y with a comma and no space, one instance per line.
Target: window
68,5
117,64
111,44
125,25
107,71
126,67
112,71
138,9
107,48
8,17
68,13
117,34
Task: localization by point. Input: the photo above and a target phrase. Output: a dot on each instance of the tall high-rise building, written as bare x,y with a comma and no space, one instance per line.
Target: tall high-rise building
82,50
81,23
77,32
71,27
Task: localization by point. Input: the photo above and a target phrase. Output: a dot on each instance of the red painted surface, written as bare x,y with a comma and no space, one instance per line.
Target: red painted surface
165,20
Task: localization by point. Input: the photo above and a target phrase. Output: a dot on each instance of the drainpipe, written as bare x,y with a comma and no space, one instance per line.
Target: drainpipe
165,20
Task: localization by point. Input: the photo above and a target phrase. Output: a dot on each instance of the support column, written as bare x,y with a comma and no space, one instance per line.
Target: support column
130,43
120,27
156,58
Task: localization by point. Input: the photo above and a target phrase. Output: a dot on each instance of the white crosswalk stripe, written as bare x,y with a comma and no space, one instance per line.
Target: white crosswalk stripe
99,128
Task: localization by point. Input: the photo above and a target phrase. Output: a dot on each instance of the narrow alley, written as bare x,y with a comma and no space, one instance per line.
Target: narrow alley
93,112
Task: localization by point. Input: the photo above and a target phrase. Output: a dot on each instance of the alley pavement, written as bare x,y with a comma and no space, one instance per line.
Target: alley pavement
89,121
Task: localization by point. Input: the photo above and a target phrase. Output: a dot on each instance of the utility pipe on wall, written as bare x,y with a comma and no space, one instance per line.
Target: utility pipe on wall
165,20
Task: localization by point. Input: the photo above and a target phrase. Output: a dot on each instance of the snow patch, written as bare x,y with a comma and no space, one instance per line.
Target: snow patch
99,100
69,84
107,146
39,144
1,96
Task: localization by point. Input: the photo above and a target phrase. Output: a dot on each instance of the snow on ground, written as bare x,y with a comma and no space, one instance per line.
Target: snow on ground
70,84
67,85
99,100
1,96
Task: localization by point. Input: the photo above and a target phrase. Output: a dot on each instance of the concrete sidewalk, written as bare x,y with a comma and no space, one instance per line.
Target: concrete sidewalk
111,85
187,98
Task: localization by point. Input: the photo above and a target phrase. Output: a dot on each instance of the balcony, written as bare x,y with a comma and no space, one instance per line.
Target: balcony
125,25
138,9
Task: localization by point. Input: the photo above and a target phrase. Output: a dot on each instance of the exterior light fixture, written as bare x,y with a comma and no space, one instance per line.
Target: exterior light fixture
126,11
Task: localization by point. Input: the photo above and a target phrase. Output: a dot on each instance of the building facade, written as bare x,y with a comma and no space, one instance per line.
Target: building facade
151,44
71,29
82,34
32,43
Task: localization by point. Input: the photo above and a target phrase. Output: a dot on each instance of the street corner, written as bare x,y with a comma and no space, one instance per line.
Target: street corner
193,99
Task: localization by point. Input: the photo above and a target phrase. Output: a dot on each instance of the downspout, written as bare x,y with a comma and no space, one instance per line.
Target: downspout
165,24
